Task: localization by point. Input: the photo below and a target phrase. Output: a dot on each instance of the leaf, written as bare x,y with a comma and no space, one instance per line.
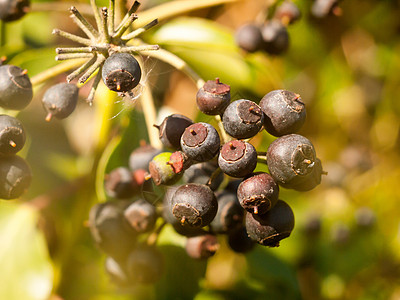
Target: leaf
26,271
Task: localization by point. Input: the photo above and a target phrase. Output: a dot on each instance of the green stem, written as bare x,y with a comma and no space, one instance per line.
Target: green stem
74,50
121,30
131,11
73,56
2,33
225,137
139,31
111,18
100,59
104,17
94,88
81,69
86,27
262,160
139,48
72,37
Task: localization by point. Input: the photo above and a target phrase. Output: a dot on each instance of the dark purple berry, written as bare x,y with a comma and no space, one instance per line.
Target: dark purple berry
167,168
171,130
275,36
249,38
323,8
202,172
284,112
309,181
145,265
141,215
258,193
60,100
202,246
12,135
15,177
243,119
11,10
229,215
213,97
237,158
120,183
200,142
15,88
287,12
140,158
194,204
273,226
121,72
239,241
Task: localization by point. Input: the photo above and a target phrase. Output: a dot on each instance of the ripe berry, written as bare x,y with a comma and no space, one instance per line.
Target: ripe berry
145,265
202,172
15,177
229,215
202,246
243,119
249,38
171,130
287,12
121,72
284,111
237,158
12,135
120,184
11,10
258,193
60,100
291,159
322,8
213,97
194,204
239,241
141,215
273,226
309,181
200,142
140,158
167,168
116,271
15,88
275,36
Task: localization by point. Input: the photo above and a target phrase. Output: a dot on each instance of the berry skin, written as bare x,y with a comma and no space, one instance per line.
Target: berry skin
275,36
140,158
171,130
200,142
120,184
141,215
239,241
243,119
15,177
12,10
292,160
201,173
194,204
202,246
273,226
229,215
116,271
284,112
287,12
12,135
258,193
167,168
213,97
249,37
121,72
237,158
15,88
323,8
60,100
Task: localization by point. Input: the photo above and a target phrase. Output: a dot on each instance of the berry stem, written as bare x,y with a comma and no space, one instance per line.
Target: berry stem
95,84
131,11
259,153
140,30
225,137
83,24
152,238
72,37
139,48
74,50
104,18
97,16
100,59
73,56
262,160
81,69
111,16
125,26
213,176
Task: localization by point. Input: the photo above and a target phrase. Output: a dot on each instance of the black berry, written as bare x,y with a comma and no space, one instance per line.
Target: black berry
15,88
141,215
243,119
213,97
121,72
202,172
140,158
323,8
12,135
284,111
60,100
239,241
275,36
120,183
237,158
273,226
202,246
117,271
15,177
249,37
287,12
11,10
171,130
229,215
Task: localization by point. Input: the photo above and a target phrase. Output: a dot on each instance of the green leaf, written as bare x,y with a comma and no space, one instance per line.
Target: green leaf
26,271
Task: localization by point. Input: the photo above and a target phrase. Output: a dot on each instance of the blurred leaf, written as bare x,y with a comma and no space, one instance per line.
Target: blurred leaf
26,271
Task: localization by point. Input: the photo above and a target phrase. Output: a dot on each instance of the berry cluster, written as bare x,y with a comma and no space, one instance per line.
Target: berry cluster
198,203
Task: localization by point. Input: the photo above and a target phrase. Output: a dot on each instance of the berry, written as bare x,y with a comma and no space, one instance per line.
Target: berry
229,215
15,177
12,135
237,158
213,97
171,130
116,271
258,193
202,172
11,10
15,88
194,204
275,36
284,111
291,161
120,184
200,142
243,119
239,241
121,72
249,37
140,158
141,215
323,8
287,12
202,246
60,100
273,226
309,181
167,168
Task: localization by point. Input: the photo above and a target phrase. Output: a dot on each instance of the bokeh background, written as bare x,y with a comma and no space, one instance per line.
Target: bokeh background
346,242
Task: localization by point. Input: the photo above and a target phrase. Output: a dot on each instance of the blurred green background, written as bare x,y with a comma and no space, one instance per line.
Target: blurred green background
346,242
